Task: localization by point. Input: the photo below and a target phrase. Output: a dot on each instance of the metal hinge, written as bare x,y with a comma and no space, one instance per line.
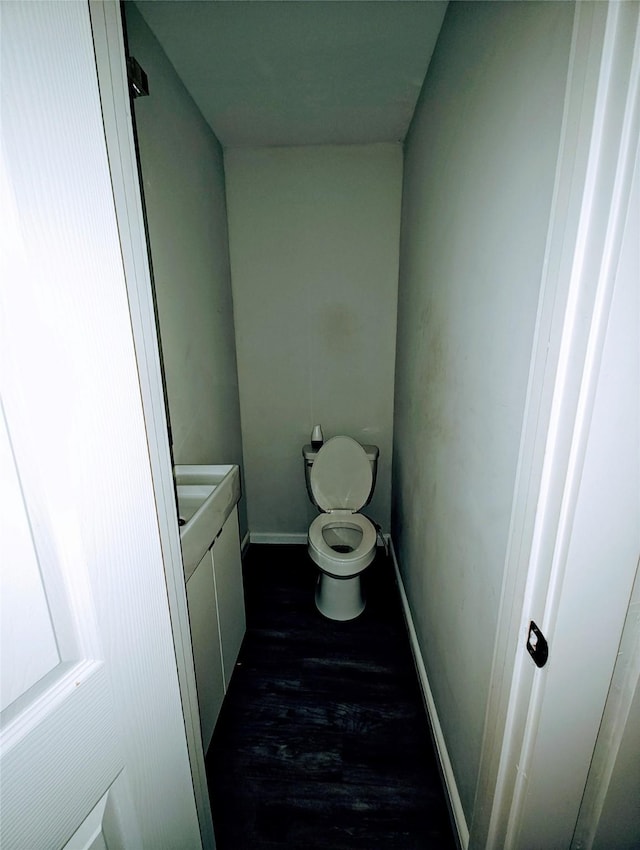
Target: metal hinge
138,82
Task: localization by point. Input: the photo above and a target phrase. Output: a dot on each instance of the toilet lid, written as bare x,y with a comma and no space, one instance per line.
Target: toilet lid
341,476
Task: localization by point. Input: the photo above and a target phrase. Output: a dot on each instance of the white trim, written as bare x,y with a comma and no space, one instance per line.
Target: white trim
270,537
244,544
275,537
108,39
454,801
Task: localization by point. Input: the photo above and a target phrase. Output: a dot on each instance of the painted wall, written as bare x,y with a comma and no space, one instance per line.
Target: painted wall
479,170
314,254
183,180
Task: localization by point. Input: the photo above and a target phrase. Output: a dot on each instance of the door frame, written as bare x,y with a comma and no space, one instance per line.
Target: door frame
597,154
107,27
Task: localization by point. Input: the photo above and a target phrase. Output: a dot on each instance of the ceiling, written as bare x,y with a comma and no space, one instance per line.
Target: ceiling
300,72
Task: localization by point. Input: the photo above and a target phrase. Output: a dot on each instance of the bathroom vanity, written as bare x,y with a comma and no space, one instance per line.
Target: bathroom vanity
210,539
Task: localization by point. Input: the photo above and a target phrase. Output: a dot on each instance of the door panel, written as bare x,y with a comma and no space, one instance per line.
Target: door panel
105,826
28,646
60,753
58,734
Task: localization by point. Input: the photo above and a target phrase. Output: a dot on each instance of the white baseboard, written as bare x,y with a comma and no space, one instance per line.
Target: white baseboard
455,803
268,537
244,545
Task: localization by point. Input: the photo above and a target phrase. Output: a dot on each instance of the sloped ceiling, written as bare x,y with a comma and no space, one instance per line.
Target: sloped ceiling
300,72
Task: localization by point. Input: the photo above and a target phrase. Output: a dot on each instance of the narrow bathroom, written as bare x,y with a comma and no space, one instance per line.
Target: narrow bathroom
412,226
348,206
285,319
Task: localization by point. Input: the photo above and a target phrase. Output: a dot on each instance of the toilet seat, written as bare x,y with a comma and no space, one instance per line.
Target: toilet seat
342,564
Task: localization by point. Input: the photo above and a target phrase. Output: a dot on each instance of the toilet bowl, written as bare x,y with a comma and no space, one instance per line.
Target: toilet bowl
341,542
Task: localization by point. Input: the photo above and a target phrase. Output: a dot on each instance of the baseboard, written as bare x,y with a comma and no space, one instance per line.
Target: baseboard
455,803
268,537
244,545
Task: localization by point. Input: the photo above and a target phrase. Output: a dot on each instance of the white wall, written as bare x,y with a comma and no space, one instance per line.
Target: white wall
479,169
183,181
314,257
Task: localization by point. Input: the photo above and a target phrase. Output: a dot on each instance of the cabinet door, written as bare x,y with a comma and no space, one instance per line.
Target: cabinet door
203,616
229,593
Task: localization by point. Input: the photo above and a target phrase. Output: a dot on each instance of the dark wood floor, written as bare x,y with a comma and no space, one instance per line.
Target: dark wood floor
322,741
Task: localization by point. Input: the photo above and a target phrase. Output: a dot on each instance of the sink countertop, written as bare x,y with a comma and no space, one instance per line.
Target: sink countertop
206,496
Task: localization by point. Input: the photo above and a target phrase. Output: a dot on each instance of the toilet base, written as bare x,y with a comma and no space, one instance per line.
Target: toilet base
339,598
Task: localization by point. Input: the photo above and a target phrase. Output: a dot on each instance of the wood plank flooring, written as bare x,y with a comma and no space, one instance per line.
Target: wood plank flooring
322,741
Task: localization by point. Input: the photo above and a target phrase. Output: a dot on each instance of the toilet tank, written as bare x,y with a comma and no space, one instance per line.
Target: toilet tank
309,455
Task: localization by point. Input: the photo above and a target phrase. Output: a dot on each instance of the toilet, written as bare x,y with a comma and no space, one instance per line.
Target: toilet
340,478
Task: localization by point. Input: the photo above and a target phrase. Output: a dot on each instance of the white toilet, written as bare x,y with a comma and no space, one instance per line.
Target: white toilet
340,478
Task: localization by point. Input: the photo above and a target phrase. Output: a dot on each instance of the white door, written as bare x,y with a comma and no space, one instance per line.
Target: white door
574,540
54,761
92,740
582,555
601,551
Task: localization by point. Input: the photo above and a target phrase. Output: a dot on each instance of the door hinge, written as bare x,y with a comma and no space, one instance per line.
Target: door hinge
138,82
537,645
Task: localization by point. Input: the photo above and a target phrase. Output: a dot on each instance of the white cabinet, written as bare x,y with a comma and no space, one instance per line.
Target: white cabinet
227,569
205,637
216,614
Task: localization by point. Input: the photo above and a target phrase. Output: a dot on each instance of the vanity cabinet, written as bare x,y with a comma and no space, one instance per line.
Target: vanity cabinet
217,618
227,573
205,637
